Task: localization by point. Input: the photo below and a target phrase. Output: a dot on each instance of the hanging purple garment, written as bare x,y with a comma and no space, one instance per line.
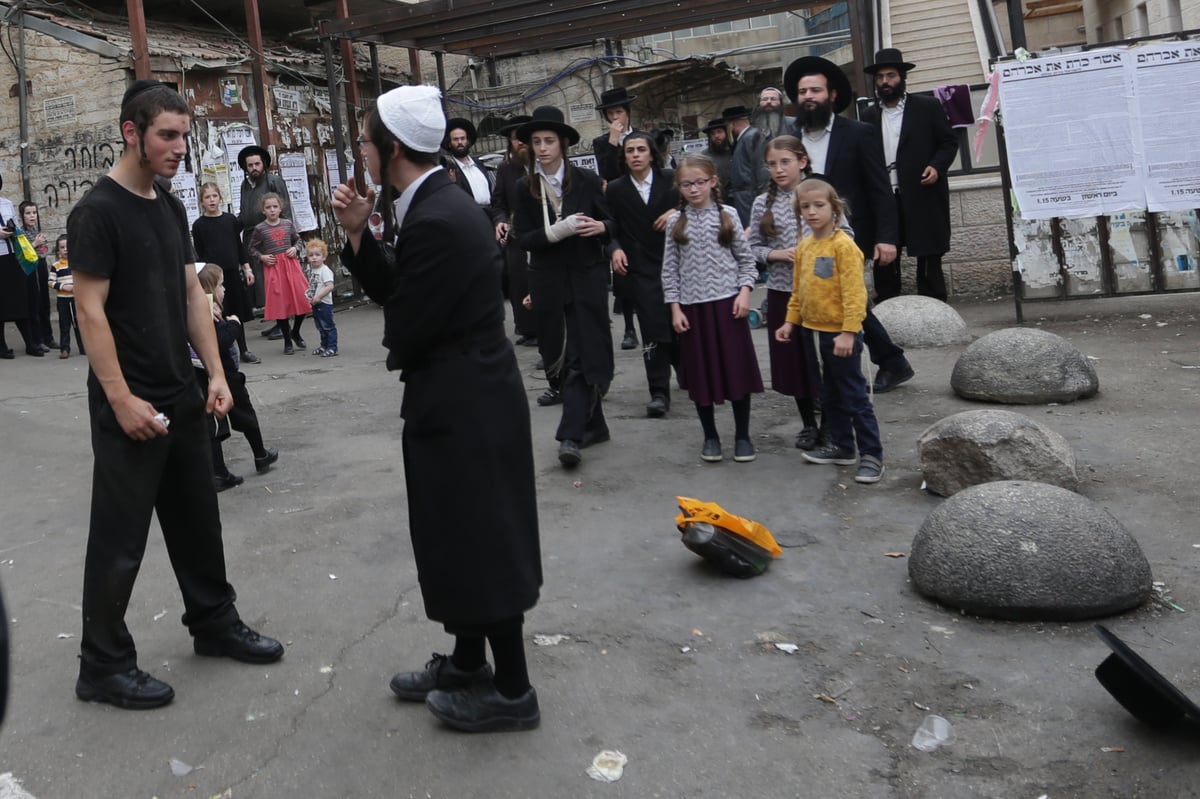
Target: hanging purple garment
956,100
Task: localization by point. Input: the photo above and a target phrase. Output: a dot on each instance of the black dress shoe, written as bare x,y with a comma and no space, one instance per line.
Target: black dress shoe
44,348
7,354
288,349
551,396
239,642
264,463
591,437
807,439
35,351
657,407
224,482
439,674
888,379
526,340
568,454
272,334
250,357
132,690
299,342
50,344
630,341
481,708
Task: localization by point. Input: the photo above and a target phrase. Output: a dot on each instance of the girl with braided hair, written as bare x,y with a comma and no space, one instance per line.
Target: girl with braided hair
774,233
708,272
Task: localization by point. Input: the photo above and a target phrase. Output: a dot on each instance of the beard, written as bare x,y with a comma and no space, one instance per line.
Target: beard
815,118
718,148
460,152
889,94
771,123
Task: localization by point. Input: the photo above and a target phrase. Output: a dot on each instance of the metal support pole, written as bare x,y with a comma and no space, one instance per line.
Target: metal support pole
258,74
374,48
335,103
23,105
1016,24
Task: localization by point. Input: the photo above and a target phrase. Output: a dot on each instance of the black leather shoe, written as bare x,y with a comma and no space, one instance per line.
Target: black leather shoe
35,351
264,463
568,454
299,342
227,481
7,354
132,690
439,674
250,357
657,407
630,341
551,396
591,437
239,642
481,708
288,349
807,438
44,348
272,334
526,341
888,379
50,344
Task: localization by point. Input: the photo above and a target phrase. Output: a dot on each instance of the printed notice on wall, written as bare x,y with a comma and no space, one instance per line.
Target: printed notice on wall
581,112
587,162
183,186
1167,92
235,138
295,174
331,171
1069,129
59,110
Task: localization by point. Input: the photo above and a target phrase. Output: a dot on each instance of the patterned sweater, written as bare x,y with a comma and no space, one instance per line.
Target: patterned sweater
779,273
702,270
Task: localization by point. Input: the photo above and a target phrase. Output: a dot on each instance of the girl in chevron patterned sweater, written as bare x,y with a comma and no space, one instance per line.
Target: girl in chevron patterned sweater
708,272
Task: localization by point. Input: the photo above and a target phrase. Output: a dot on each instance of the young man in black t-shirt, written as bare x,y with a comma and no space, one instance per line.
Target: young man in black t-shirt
139,304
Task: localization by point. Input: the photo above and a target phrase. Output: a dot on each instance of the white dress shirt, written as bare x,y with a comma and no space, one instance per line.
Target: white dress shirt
643,186
554,181
817,144
405,199
892,119
478,180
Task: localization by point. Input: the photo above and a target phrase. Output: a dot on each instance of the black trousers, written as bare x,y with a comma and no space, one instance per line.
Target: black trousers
546,291
884,352
517,266
172,476
67,321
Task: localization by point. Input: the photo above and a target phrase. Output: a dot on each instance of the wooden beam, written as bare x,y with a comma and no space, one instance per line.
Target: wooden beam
258,74
353,99
1054,11
138,40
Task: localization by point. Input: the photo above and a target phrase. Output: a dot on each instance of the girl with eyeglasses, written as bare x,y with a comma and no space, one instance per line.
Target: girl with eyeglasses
708,272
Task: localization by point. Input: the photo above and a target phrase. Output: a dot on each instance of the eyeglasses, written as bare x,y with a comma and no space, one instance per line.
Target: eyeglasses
694,184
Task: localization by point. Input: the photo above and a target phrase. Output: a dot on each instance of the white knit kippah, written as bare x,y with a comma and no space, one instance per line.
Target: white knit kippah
414,116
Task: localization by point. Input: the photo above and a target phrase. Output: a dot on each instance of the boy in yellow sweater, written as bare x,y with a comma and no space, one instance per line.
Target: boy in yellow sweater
64,286
830,297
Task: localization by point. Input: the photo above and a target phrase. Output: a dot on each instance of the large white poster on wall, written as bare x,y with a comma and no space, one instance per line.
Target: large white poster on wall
1167,92
1070,133
294,171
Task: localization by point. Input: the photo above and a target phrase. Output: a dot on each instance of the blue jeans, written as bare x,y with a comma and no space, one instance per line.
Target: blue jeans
844,399
322,315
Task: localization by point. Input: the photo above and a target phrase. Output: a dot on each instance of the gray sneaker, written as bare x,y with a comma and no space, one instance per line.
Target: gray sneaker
870,470
830,453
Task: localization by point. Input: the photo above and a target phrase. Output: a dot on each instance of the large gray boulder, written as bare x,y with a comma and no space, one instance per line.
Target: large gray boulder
1029,552
915,321
1023,366
983,446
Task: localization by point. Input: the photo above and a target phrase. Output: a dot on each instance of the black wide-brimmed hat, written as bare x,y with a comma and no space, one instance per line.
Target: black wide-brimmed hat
512,124
254,149
614,98
889,57
815,65
547,117
1140,688
714,124
460,123
735,112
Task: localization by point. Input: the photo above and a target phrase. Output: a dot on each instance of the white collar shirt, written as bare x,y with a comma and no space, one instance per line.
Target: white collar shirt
892,119
406,197
817,145
555,181
475,177
643,186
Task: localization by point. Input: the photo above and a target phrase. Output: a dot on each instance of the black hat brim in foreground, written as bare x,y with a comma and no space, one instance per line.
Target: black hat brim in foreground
1140,688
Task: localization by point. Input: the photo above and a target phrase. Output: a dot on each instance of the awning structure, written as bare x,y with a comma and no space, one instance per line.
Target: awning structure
507,27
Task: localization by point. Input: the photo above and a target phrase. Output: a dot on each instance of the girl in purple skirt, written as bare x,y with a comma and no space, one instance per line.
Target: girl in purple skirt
708,272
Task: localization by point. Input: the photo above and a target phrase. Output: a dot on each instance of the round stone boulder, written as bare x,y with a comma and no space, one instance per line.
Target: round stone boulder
1028,552
1023,366
983,446
915,321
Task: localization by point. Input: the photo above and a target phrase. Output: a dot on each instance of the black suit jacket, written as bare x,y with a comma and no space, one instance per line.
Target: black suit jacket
454,171
926,139
854,165
608,157
633,220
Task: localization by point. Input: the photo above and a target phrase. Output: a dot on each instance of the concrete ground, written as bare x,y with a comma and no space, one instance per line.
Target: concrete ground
664,660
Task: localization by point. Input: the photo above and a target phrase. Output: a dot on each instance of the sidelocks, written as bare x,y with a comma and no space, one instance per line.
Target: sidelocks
737,546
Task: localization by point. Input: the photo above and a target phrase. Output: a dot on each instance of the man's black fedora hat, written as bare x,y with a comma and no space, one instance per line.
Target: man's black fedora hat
815,65
1140,689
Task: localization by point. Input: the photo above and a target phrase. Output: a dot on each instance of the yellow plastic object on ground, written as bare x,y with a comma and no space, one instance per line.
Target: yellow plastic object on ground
694,510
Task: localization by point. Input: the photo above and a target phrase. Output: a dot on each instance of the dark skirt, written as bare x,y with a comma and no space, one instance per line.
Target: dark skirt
717,355
795,370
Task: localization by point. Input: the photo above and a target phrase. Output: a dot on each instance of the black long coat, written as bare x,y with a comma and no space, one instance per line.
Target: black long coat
926,139
574,271
634,233
468,457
